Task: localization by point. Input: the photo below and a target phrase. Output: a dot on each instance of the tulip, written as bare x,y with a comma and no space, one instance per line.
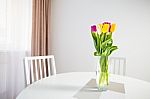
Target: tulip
99,28
105,28
93,28
113,27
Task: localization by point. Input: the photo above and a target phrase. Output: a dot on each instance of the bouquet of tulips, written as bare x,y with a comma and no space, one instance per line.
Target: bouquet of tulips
103,42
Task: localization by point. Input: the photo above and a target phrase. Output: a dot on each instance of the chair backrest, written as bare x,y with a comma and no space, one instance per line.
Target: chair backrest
38,67
117,65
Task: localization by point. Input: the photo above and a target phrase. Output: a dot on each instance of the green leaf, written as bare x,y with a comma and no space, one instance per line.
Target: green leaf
104,44
98,43
109,50
113,49
102,37
109,36
94,36
94,39
96,54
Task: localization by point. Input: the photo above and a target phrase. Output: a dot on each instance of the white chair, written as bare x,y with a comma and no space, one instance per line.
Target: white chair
38,67
117,65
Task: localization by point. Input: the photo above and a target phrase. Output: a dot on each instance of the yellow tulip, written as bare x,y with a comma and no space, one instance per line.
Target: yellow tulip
105,28
113,27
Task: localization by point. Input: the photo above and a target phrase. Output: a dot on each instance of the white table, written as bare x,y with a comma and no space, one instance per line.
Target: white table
69,85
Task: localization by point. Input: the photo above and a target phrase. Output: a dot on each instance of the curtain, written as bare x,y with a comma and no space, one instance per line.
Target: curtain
15,46
40,27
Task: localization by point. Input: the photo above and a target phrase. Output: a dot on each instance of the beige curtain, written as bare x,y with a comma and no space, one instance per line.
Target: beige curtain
40,27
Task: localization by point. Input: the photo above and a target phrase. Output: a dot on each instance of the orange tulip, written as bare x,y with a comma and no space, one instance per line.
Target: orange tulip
113,27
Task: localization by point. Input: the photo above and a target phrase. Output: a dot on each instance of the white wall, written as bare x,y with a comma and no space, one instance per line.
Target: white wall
72,43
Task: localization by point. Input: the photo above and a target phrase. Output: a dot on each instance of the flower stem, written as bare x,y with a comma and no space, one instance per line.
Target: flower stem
103,76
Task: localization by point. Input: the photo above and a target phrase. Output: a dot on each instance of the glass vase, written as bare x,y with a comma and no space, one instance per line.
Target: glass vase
102,75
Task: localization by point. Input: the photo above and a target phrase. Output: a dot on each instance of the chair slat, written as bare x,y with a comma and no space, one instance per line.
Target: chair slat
53,65
40,65
27,72
49,72
44,67
124,67
119,67
36,69
32,75
114,66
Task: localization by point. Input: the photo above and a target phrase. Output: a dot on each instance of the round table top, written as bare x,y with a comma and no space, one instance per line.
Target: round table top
80,85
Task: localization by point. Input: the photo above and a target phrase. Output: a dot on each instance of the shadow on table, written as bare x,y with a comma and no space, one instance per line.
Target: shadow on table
90,91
